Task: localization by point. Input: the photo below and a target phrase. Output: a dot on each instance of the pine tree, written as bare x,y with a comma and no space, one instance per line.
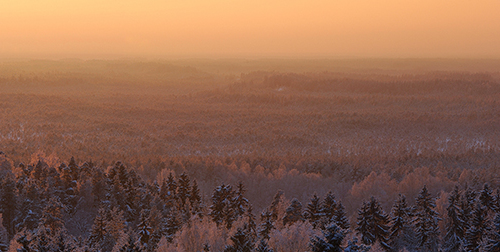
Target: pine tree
241,242
331,241
293,212
455,226
313,212
477,229
426,221
373,224
493,243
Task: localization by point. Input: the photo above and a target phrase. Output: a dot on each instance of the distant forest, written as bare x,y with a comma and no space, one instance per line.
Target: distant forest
250,156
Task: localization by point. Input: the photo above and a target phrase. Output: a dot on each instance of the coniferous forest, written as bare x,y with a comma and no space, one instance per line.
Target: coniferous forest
193,155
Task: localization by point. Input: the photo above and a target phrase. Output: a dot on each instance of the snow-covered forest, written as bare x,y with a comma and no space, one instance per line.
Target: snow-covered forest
86,208
234,155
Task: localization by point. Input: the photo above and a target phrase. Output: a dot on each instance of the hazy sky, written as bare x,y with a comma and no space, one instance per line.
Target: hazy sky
257,28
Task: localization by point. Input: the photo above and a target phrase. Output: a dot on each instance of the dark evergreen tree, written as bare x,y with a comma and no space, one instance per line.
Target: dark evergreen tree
455,226
172,225
328,209
31,208
426,221
467,203
263,246
131,245
401,232
477,229
487,200
293,213
340,217
8,205
221,209
25,244
493,243
195,200
266,224
52,217
239,202
241,242
144,229
63,243
373,224
352,246
252,226
313,212
41,241
332,239
183,190
98,233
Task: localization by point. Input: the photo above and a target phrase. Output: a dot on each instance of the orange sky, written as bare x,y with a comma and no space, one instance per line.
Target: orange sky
257,28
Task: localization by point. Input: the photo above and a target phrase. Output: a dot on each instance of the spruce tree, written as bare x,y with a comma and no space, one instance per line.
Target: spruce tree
98,232
241,242
131,245
293,212
195,200
455,226
328,209
221,209
400,232
493,243
25,244
252,226
183,189
477,229
239,202
266,224
144,229
263,247
8,204
426,221
340,217
373,224
487,200
331,241
313,212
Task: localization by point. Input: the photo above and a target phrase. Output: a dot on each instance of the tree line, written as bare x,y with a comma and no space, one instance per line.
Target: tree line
88,208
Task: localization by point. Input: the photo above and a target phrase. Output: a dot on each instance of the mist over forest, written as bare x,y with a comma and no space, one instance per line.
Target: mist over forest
250,155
